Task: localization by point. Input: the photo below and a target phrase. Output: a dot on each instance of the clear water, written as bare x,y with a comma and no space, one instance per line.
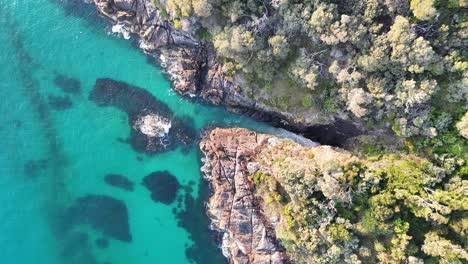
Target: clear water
73,149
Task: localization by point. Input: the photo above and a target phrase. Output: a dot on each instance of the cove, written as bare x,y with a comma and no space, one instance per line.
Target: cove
58,147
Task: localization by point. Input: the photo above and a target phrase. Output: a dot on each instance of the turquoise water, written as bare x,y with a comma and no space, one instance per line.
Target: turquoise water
53,155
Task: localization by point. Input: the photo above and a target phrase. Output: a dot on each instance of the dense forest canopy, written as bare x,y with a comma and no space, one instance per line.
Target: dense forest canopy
391,64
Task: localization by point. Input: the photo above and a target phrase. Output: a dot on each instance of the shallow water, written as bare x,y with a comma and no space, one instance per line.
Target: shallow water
58,147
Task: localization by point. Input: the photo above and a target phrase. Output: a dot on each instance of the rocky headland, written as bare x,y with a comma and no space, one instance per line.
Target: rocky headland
276,201
195,72
248,235
264,191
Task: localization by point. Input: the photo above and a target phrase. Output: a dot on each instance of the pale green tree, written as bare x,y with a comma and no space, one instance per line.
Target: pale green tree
462,126
423,9
437,246
279,45
202,8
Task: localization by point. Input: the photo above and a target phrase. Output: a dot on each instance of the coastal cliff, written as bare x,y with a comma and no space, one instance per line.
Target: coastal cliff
195,72
276,201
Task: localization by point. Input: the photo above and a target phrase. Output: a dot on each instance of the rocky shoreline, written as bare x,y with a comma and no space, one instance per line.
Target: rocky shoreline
194,71
248,235
191,64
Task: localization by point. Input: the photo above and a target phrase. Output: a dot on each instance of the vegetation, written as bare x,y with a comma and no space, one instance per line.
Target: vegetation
336,208
378,58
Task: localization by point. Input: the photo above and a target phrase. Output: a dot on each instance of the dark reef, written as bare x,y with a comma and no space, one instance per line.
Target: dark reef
76,249
163,186
138,102
68,84
102,243
193,219
34,167
119,181
77,240
104,213
60,103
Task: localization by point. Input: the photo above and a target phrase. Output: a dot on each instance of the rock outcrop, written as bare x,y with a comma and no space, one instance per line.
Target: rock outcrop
248,236
154,127
266,190
190,63
195,72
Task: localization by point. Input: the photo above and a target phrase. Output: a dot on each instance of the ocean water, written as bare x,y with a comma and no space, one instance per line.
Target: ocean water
57,147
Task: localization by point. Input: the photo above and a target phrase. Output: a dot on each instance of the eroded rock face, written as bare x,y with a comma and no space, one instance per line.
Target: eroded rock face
248,236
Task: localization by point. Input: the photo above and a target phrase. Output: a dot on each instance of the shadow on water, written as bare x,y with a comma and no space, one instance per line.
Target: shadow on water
74,246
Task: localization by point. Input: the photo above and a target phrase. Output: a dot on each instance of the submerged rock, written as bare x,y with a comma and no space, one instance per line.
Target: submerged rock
68,84
119,181
154,127
163,186
34,167
104,213
191,216
60,103
102,243
76,242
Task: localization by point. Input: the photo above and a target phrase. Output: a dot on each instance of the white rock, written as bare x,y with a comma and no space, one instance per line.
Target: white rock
153,125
